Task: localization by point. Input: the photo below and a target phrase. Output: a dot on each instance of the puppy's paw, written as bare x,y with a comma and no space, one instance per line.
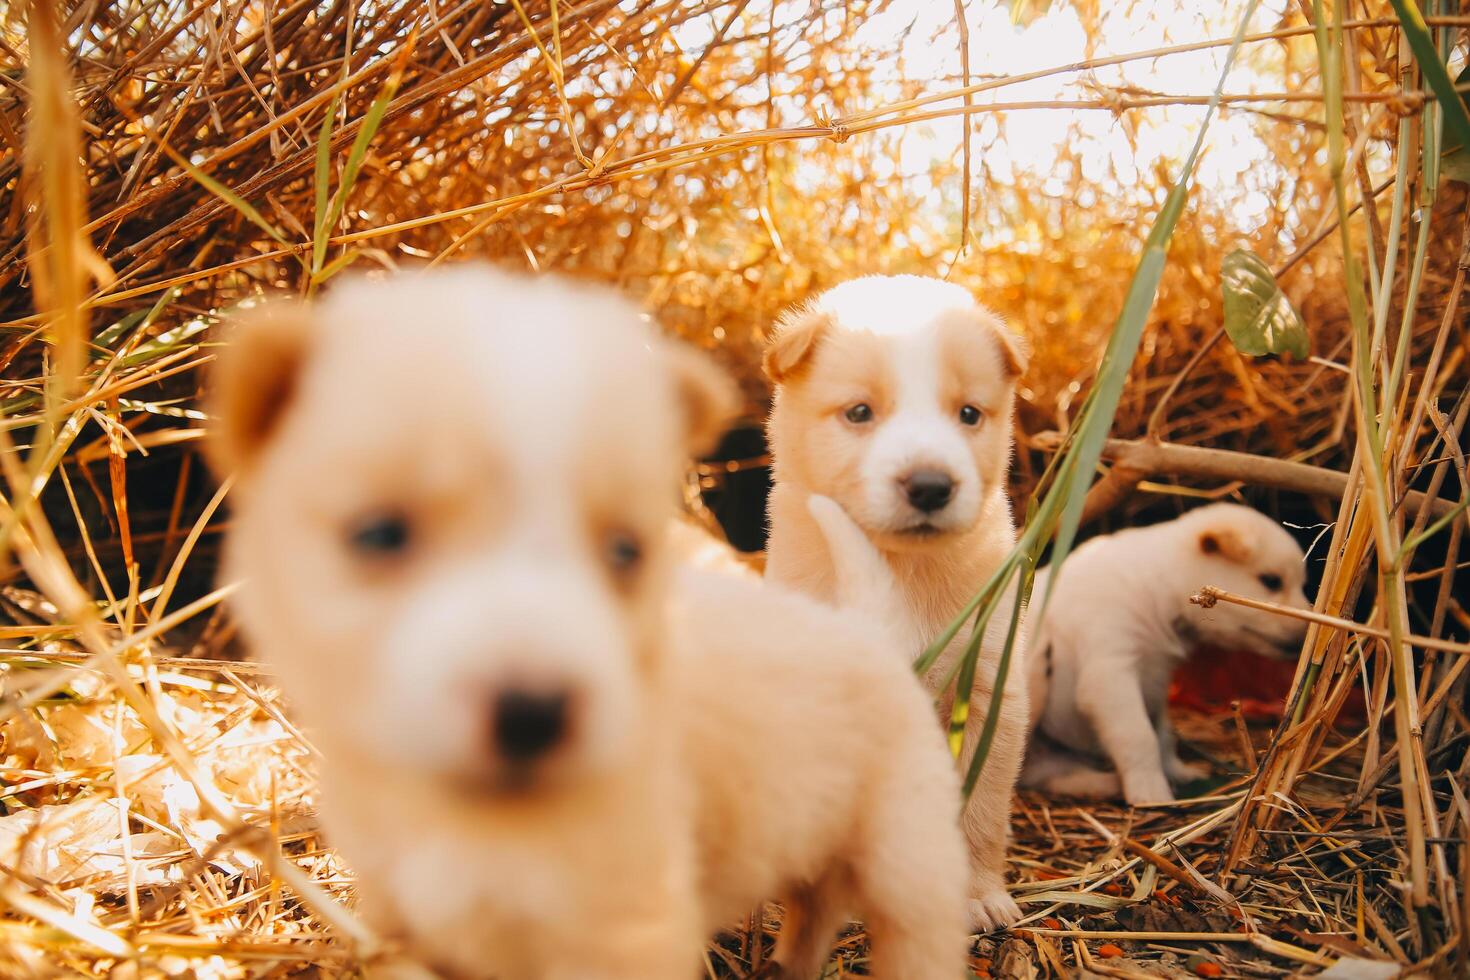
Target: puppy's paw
1147,787
993,910
1181,772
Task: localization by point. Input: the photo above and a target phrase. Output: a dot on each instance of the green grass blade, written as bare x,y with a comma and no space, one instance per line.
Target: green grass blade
335,266
168,341
1118,359
932,652
365,134
1060,511
1407,549
115,331
1128,331
244,207
135,323
1002,673
1406,321
959,715
323,178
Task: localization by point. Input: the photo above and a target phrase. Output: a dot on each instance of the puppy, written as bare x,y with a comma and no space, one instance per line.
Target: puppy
1119,622
548,752
894,397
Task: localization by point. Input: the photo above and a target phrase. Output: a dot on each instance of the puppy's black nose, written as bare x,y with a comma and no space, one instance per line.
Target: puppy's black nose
928,490
528,725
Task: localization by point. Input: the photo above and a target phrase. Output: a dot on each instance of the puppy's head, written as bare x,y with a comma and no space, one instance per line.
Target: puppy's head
894,396
453,493
1245,552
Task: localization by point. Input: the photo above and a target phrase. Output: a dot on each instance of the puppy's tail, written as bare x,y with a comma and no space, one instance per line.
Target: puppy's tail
865,583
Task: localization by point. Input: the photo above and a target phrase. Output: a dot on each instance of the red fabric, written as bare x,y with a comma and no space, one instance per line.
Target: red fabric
1211,679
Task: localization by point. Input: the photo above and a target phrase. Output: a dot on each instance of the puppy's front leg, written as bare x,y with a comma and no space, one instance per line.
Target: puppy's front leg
1112,703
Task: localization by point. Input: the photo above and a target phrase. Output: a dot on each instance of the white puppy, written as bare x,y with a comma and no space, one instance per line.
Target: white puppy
894,397
547,755
1118,624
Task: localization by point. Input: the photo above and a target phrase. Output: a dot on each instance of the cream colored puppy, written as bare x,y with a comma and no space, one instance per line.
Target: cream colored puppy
548,753
1118,624
894,397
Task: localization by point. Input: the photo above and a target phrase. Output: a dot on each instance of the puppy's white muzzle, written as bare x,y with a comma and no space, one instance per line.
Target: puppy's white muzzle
919,477
505,676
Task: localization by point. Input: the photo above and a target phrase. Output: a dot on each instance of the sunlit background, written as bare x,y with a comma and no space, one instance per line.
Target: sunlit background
720,161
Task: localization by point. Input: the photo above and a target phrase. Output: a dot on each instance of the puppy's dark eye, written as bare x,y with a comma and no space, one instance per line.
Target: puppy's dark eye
970,415
381,536
1271,581
623,551
859,413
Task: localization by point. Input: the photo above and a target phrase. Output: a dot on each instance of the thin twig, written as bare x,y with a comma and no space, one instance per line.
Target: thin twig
1208,595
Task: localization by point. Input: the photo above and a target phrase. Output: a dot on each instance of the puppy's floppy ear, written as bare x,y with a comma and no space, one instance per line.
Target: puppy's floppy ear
1015,351
794,342
254,380
1227,542
708,398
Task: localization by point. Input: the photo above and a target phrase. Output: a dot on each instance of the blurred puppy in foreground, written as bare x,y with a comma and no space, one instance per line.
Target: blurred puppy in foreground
893,397
1118,624
549,753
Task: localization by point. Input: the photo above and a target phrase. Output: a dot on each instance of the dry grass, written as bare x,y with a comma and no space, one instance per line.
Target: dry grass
157,802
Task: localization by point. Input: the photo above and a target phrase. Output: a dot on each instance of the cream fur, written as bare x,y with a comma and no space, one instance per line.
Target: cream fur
1118,624
731,742
915,350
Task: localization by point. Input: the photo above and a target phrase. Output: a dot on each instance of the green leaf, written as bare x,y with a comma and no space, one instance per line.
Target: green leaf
1421,41
1455,164
1258,317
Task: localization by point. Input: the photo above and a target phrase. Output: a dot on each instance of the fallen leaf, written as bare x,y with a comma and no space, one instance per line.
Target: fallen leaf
1258,317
